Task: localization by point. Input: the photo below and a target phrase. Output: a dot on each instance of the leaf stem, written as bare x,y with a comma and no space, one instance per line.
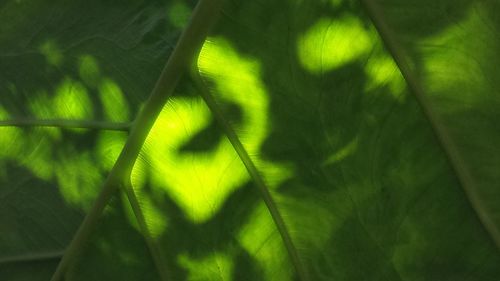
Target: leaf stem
204,15
449,147
254,174
66,123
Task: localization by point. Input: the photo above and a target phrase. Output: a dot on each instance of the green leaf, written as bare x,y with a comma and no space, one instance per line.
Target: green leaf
298,140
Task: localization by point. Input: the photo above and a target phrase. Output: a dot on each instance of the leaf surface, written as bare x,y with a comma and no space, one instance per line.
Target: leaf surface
305,144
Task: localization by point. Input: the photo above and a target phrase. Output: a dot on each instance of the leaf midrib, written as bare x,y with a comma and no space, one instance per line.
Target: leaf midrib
191,39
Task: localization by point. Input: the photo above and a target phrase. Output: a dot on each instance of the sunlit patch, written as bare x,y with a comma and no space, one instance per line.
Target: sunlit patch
238,80
331,43
11,139
458,78
39,158
198,182
260,238
215,267
76,174
178,14
52,53
156,222
72,100
78,177
382,70
89,70
109,145
113,100
41,105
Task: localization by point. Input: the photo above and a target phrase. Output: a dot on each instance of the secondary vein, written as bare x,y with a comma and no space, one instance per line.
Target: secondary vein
154,249
254,174
32,257
67,124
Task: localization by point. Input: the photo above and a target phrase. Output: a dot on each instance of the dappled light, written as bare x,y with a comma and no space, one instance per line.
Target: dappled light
198,182
237,81
292,149
382,71
79,189
156,221
10,138
109,146
50,157
113,100
331,43
214,267
50,175
260,239
447,67
72,100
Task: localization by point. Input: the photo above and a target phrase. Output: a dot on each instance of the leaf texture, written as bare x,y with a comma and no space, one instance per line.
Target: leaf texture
297,147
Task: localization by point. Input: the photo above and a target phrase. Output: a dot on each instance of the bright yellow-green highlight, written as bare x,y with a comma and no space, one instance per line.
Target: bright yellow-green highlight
216,267
72,101
178,14
261,239
382,71
113,100
13,144
156,222
89,70
332,43
238,80
41,105
109,147
198,182
78,177
10,137
52,53
76,173
39,161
